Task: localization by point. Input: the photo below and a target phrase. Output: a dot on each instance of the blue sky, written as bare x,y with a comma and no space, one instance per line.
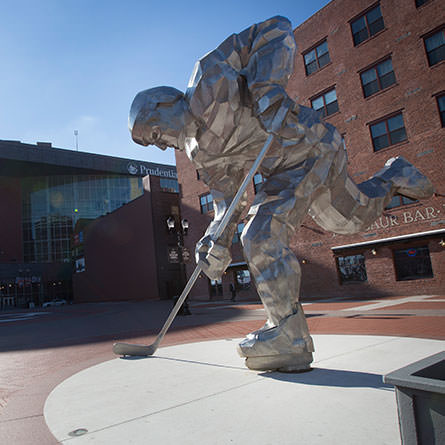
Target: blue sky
77,65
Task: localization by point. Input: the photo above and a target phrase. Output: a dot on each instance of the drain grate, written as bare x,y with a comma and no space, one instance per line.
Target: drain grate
78,432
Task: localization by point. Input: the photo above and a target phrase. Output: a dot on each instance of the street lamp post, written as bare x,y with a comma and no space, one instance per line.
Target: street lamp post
181,253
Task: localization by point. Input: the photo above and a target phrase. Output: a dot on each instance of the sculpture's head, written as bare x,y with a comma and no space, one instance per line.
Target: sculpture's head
157,116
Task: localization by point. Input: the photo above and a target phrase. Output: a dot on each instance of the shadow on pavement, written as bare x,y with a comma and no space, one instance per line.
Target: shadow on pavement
332,377
93,323
179,360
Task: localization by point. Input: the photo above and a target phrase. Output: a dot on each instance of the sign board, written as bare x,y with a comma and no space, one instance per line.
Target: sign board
185,255
432,215
173,254
140,169
178,254
80,265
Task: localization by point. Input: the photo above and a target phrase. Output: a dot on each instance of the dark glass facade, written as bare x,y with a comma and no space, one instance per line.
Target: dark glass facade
53,204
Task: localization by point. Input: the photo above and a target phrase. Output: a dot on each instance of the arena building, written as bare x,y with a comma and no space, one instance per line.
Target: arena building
376,71
83,227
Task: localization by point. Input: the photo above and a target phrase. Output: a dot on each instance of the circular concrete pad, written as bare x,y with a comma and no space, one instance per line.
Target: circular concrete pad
202,393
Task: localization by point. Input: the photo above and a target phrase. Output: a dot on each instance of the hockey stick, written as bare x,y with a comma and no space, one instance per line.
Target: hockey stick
143,350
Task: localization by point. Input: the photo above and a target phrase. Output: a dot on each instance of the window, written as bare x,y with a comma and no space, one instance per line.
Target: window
169,185
377,78
352,268
206,202
239,231
257,181
367,25
243,278
413,263
399,200
435,47
343,145
421,2
441,105
326,103
388,132
316,58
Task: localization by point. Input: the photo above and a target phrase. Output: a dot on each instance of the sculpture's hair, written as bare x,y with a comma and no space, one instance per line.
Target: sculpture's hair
154,97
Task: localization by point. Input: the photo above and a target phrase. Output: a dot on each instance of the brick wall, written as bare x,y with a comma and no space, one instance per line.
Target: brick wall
413,94
126,251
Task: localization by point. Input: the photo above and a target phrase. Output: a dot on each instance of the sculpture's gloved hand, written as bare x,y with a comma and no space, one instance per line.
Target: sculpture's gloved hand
277,121
212,257
281,119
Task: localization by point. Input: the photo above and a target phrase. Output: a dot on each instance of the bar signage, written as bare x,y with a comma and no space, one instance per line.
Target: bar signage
415,215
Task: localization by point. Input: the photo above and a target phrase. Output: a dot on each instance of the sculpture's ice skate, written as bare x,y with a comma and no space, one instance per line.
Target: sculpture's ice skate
285,347
407,180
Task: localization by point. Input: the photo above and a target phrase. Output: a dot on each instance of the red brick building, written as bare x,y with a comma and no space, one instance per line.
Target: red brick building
376,70
123,255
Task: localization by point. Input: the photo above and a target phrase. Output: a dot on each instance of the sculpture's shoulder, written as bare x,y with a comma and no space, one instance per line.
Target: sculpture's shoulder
228,53
236,50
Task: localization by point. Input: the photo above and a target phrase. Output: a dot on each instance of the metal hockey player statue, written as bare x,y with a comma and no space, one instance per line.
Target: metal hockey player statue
235,100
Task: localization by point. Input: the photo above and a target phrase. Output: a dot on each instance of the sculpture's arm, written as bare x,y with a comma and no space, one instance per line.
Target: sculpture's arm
214,254
267,68
263,55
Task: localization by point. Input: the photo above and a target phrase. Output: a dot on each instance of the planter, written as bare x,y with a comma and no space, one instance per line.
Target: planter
420,394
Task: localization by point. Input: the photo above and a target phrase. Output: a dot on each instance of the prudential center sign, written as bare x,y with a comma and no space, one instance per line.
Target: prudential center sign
135,168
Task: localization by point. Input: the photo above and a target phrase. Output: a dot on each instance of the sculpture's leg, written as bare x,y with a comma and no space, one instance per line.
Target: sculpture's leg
338,205
284,343
343,207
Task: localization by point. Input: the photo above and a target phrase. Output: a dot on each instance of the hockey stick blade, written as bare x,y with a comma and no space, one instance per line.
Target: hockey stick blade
127,349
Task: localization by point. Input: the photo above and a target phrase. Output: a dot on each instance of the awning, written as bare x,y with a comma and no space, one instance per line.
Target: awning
431,233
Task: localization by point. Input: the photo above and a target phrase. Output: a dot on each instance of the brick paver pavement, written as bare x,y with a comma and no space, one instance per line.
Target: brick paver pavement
27,376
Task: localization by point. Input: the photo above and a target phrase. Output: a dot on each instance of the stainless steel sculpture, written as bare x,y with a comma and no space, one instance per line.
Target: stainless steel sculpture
235,100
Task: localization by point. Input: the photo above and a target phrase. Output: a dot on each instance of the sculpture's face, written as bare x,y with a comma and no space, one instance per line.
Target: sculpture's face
157,117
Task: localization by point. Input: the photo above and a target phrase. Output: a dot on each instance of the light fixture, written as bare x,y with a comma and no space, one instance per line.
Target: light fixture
442,243
374,252
185,225
171,223
303,261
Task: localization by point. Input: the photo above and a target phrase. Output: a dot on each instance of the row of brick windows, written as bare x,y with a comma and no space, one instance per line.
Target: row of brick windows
384,133
373,80
379,77
364,27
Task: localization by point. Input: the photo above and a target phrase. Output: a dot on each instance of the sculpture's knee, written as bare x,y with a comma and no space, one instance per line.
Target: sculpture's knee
249,241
